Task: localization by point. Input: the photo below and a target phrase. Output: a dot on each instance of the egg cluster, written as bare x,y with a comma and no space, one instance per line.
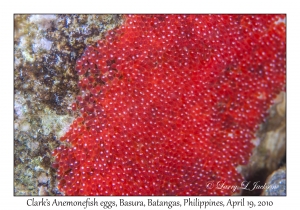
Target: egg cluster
169,103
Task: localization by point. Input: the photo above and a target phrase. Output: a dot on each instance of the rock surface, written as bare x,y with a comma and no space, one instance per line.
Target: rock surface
45,84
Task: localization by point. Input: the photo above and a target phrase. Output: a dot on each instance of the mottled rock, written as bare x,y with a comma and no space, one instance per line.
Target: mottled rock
46,48
277,183
270,152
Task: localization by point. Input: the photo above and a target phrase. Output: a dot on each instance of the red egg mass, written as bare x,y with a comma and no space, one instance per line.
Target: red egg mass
169,103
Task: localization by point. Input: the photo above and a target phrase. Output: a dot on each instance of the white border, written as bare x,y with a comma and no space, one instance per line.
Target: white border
8,8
